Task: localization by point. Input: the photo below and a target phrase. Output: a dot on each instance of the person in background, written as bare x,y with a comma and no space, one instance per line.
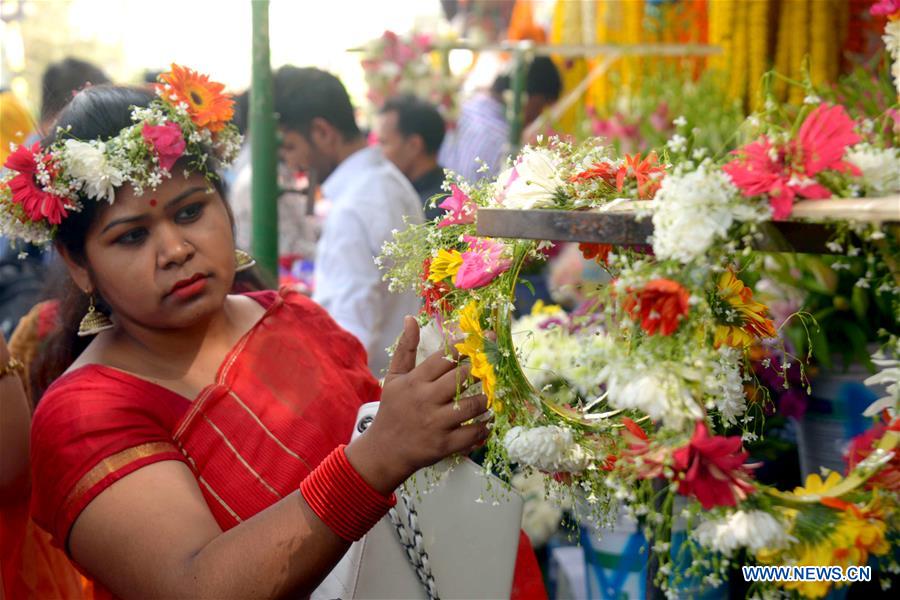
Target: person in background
15,123
370,199
60,82
410,131
482,132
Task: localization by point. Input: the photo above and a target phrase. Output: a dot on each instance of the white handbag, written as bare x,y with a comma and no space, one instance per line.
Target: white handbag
453,534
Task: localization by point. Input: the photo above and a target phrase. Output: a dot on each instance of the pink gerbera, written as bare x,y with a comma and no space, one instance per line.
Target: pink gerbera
27,192
460,208
481,263
785,172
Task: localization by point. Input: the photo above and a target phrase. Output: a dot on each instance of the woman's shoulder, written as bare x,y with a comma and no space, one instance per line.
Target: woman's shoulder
96,396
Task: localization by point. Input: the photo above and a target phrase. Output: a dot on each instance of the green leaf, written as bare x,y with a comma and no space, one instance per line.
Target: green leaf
528,285
814,523
820,348
859,301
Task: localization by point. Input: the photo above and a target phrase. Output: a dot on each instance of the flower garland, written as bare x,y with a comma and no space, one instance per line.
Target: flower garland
641,395
190,118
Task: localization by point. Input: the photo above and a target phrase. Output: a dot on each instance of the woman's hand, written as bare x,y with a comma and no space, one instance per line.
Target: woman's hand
418,422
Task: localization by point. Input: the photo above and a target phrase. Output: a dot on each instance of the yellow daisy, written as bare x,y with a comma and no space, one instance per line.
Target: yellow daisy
740,320
445,265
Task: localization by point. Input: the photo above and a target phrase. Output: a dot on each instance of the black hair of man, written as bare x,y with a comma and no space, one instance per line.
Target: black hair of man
416,116
62,79
543,78
303,94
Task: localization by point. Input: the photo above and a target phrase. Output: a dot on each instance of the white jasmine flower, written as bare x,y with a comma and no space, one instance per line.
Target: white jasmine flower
680,121
88,163
812,99
532,182
678,143
693,210
549,448
753,529
880,168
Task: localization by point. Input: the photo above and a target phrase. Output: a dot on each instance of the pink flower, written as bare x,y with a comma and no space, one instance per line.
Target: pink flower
167,141
885,7
460,208
25,189
822,139
481,263
783,173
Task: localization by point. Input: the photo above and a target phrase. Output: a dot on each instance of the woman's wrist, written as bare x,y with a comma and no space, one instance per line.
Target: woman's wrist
373,464
342,499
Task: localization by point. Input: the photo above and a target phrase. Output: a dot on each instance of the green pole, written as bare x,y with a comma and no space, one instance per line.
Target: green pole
518,90
263,146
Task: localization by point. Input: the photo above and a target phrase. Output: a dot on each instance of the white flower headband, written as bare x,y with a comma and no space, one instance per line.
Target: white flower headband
189,118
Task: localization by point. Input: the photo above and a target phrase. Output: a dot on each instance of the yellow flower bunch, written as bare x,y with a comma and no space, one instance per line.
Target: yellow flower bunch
473,347
445,265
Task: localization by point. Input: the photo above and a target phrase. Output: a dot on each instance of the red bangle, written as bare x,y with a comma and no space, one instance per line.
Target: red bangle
342,498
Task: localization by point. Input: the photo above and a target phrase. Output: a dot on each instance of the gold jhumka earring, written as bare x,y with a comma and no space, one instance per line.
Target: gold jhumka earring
242,260
93,322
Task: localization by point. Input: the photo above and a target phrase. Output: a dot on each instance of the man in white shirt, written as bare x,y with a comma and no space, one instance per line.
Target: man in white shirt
370,199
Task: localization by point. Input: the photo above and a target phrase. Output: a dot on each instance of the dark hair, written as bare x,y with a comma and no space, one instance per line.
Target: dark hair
301,95
62,79
543,78
96,113
418,117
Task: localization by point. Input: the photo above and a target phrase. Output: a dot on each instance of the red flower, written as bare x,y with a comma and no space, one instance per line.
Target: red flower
600,170
167,141
434,294
783,173
660,306
26,191
598,252
711,468
888,477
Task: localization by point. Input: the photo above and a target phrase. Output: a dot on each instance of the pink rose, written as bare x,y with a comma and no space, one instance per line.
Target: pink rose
167,141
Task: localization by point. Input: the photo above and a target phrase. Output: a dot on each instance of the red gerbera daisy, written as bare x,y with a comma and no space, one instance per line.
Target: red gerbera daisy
27,192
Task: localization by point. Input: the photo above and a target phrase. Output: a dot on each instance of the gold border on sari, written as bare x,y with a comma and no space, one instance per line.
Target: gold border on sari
113,463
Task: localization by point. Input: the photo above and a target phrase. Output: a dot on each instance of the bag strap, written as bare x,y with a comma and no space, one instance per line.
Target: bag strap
413,542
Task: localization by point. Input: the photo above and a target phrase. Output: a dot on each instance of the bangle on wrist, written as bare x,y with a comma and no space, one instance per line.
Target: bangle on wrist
13,365
342,499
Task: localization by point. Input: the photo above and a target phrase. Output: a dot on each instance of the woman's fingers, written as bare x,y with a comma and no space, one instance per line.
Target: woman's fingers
463,438
465,409
404,359
435,366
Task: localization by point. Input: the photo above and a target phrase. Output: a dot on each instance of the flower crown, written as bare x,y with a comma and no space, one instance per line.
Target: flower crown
190,118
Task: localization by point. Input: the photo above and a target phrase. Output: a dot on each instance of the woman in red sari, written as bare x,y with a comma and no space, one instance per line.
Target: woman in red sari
196,445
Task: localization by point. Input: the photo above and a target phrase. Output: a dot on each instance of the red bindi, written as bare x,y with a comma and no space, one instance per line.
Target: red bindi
152,201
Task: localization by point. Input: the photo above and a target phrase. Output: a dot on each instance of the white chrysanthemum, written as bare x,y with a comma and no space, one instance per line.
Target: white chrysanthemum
692,210
880,168
549,352
754,530
888,376
88,163
532,182
662,392
726,385
549,448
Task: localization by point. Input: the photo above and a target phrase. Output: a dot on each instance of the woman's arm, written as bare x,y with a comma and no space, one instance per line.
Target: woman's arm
151,533
15,420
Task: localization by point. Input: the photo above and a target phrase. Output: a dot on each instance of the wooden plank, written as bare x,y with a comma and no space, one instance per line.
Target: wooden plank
620,225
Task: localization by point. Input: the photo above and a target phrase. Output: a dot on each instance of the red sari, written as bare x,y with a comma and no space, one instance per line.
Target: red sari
285,396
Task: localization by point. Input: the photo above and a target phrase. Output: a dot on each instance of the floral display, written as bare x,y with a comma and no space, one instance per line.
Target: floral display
189,119
652,388
403,64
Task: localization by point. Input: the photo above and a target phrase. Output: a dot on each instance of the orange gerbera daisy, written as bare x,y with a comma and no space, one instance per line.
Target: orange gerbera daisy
208,106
